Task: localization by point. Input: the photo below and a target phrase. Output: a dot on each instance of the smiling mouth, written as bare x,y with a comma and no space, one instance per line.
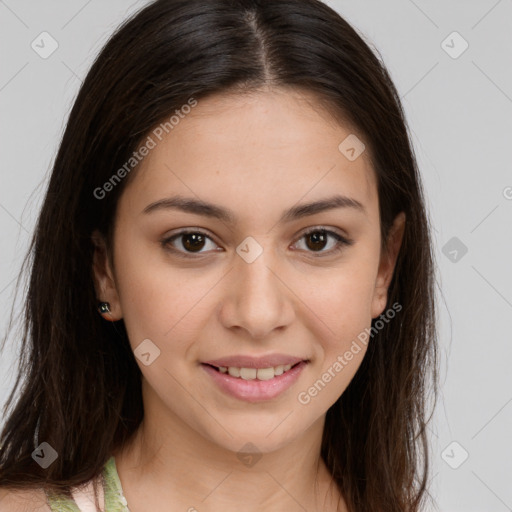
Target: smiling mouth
254,373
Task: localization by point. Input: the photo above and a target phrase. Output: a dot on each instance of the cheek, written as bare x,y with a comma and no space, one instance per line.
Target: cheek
340,348
342,299
343,314
153,295
341,304
164,303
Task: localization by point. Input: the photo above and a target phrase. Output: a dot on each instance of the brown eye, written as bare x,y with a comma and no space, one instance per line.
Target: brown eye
193,241
190,242
187,242
317,239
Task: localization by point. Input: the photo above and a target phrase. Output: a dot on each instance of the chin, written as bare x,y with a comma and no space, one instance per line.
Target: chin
264,438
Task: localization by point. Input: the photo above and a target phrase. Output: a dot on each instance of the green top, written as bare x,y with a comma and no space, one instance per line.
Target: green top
113,492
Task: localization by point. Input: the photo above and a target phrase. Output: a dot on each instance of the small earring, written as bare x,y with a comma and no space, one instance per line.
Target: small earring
104,307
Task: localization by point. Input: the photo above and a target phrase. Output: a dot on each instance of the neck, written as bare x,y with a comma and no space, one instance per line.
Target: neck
167,461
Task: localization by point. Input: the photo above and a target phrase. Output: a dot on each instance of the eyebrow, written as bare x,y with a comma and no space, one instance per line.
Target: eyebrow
199,207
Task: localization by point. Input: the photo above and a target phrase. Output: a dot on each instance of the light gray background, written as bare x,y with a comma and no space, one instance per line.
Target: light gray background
460,114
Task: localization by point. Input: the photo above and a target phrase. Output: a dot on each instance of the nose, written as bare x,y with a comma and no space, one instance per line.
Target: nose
257,298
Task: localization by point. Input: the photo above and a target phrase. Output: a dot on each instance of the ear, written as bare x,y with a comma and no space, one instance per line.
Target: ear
387,265
104,282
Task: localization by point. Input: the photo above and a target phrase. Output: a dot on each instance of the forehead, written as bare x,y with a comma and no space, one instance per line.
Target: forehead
253,151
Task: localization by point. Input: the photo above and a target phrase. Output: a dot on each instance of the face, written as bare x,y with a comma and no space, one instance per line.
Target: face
266,279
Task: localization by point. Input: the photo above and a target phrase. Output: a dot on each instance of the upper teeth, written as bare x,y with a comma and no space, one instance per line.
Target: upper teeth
255,373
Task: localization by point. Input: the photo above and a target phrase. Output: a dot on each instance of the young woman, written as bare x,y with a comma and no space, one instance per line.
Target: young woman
231,300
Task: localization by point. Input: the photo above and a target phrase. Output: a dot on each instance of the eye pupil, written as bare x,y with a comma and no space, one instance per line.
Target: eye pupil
317,237
196,241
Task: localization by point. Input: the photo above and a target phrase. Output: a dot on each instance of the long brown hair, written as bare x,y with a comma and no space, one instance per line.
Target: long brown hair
81,391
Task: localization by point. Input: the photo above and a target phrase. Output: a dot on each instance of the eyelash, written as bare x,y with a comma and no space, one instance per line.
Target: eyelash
342,242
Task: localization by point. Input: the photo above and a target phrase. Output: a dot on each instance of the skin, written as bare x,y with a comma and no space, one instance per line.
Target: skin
257,155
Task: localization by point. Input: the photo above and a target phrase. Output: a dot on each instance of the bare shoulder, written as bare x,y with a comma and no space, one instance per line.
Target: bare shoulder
30,500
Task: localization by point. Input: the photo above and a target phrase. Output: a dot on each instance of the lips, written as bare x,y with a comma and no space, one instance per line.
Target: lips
245,361
254,390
